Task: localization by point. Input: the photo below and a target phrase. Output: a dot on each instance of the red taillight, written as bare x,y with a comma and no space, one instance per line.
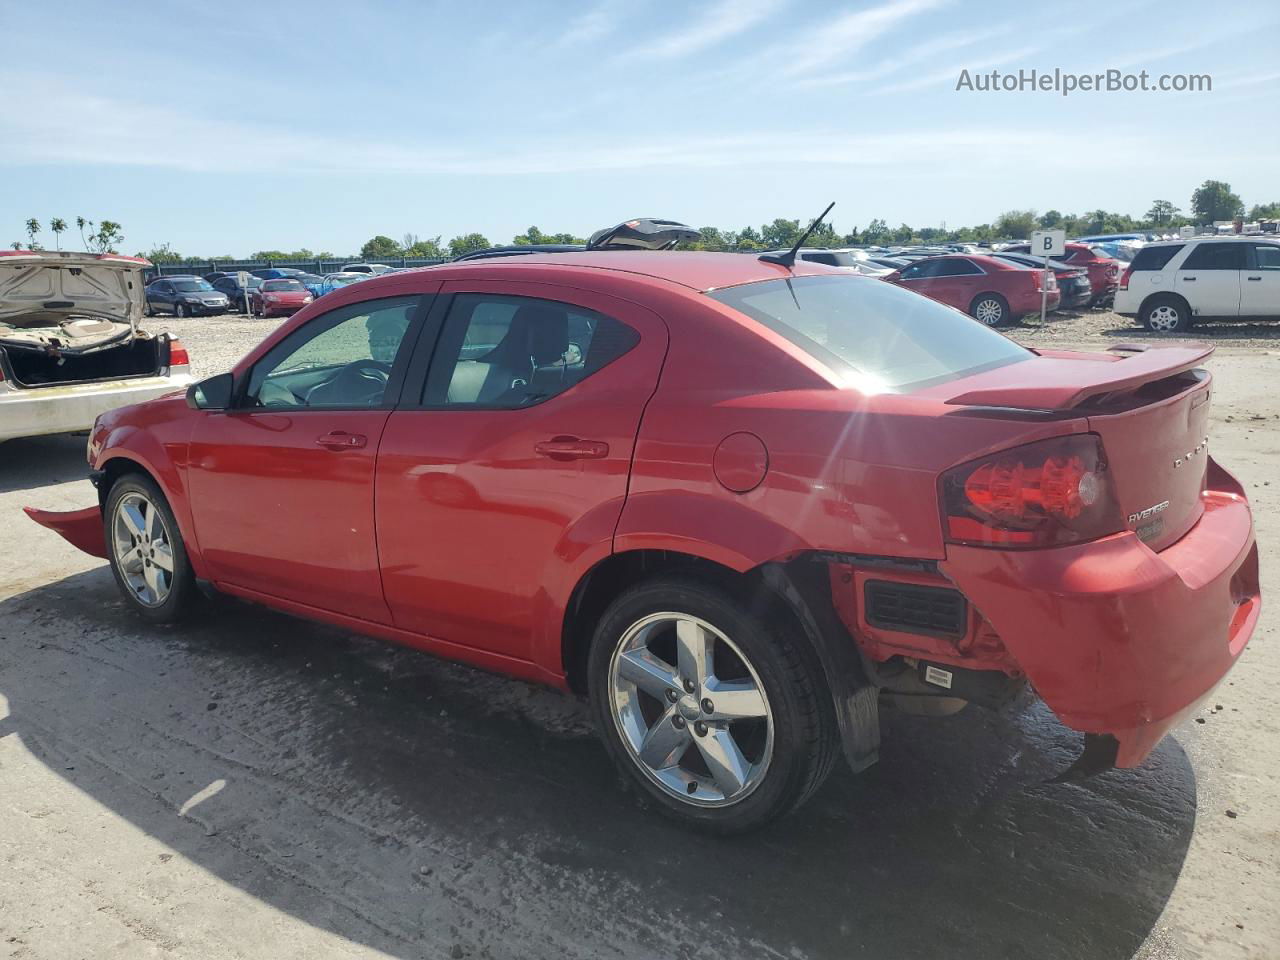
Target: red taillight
1124,280
1043,494
178,354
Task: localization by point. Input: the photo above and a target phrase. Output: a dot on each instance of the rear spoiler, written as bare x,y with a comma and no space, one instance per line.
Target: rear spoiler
1063,381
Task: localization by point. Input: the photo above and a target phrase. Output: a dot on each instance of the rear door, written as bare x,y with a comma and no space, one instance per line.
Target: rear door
1260,291
1209,278
957,281
515,460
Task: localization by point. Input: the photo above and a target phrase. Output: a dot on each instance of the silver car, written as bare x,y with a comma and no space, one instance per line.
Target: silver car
70,345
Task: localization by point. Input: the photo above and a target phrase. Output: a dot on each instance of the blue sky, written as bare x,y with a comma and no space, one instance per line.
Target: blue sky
232,127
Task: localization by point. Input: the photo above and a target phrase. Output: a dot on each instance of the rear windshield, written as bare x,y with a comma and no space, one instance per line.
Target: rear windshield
1155,258
282,285
877,336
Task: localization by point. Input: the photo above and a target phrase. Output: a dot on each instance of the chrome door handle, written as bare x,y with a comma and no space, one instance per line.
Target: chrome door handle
341,440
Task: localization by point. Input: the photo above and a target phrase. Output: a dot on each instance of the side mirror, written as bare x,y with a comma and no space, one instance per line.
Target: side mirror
211,394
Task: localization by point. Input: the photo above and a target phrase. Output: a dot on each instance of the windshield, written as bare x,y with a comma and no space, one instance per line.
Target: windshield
878,337
192,286
282,285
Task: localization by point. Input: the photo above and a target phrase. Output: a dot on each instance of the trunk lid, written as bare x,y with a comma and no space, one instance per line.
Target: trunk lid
1151,408
43,288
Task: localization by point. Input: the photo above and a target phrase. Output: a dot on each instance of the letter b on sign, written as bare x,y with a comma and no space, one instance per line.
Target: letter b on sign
1048,243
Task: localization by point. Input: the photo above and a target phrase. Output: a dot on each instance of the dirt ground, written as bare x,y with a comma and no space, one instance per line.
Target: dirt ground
256,786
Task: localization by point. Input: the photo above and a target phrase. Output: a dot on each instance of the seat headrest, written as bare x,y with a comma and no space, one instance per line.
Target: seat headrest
541,332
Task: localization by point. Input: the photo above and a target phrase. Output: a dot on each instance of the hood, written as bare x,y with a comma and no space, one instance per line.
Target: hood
43,288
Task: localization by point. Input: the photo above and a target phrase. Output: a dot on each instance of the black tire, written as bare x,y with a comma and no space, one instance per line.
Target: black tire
182,592
805,735
179,311
149,310
990,308
1166,313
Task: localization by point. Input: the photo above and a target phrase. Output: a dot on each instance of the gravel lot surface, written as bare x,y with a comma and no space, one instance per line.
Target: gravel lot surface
256,786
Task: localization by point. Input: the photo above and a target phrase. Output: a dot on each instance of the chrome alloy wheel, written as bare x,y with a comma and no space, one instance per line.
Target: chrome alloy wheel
989,311
1163,318
143,549
691,709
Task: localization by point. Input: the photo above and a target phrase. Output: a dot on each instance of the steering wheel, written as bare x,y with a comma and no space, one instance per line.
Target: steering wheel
358,382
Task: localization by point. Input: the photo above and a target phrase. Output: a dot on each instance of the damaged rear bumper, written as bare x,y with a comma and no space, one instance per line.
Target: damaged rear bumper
1119,639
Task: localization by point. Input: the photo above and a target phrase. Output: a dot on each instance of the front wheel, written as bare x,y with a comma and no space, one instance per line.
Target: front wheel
148,558
718,714
990,308
180,311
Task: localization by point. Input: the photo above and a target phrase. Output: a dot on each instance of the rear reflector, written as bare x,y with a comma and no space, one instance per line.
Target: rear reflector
178,354
911,608
1124,280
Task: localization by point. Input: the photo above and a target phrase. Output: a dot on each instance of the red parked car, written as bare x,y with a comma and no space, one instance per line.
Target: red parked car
992,290
738,503
279,297
1104,271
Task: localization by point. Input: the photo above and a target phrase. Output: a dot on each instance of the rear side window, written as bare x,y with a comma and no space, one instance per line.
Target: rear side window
956,268
501,352
1155,258
1217,256
878,337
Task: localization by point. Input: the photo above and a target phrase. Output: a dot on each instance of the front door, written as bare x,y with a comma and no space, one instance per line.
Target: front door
516,463
282,484
1209,279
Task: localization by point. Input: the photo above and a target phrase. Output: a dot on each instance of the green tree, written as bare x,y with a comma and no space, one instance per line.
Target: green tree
1213,200
381,248
1016,224
57,225
1050,219
33,231
163,254
531,236
269,255
468,243
1265,211
749,239
1162,213
780,233
107,237
81,222
877,233
17,245
429,249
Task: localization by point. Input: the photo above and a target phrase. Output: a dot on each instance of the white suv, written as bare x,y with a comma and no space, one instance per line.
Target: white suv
1170,285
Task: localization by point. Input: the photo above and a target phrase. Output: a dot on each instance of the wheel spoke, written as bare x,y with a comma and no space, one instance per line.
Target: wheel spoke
155,526
152,577
664,743
729,768
693,648
163,557
131,564
651,674
132,518
735,699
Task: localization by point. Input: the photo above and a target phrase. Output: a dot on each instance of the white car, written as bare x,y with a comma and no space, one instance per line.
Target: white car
70,347
373,269
1170,285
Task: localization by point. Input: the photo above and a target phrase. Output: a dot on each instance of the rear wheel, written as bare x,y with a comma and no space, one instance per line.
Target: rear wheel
718,716
148,558
1166,314
991,308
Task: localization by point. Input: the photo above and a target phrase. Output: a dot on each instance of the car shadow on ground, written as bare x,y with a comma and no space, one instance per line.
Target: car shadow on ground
1208,330
30,462
421,807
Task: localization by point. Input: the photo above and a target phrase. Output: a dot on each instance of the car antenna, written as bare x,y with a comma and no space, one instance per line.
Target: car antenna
788,259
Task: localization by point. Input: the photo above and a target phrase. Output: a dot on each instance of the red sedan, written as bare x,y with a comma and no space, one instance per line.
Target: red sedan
738,503
1104,271
992,290
274,298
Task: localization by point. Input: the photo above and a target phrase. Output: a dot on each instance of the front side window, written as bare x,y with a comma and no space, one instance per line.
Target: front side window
1216,256
921,270
342,359
508,352
876,337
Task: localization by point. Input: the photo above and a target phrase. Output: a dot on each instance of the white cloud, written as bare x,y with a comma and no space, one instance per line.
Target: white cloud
920,53
719,22
834,39
600,21
946,78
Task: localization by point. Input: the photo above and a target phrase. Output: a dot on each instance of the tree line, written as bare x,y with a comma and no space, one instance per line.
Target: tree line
1212,200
